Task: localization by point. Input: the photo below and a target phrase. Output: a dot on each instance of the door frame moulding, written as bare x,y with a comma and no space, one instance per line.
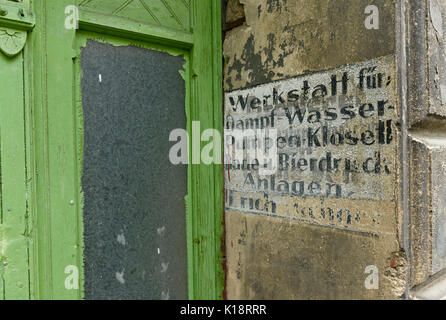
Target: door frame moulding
55,190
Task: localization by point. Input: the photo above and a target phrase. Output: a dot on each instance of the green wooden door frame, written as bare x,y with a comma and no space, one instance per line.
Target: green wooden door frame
15,223
52,156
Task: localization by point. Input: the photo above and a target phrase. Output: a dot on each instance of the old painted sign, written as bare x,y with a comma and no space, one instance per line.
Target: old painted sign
334,140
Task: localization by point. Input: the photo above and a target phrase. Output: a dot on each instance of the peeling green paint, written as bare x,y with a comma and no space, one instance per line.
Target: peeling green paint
54,135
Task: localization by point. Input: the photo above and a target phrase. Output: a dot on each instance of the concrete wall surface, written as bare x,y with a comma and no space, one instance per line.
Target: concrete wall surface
354,93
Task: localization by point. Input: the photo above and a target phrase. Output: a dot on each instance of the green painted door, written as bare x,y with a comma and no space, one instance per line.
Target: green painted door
67,70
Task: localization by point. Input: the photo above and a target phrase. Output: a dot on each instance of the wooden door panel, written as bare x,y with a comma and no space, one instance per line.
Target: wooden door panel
167,13
41,137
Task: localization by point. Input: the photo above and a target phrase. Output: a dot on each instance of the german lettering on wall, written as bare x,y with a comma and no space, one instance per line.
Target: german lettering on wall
336,141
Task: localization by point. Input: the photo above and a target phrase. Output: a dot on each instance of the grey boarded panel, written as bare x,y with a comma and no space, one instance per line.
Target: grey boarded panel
134,210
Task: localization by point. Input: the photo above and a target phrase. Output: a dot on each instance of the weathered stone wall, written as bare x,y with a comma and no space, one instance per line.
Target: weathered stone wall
285,38
426,139
388,217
